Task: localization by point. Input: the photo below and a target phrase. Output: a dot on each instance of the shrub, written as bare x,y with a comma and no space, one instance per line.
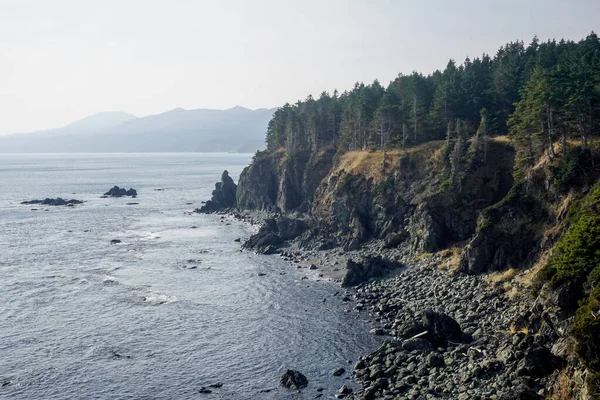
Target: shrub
593,384
566,172
577,253
576,257
586,329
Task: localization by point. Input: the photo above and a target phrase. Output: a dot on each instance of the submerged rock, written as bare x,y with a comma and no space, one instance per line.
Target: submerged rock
293,379
54,202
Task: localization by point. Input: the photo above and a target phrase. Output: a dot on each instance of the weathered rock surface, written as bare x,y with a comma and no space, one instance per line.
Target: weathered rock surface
367,267
293,379
274,232
116,191
223,196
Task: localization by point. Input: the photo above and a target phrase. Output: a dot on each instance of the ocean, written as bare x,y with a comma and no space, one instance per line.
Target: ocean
173,307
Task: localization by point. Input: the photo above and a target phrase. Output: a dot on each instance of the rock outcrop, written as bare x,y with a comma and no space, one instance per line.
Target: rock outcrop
54,202
293,379
116,191
223,197
351,202
274,232
367,267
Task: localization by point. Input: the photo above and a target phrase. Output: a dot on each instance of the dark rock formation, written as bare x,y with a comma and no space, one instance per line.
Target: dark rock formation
441,328
281,183
54,202
367,267
538,362
293,379
274,232
116,191
223,197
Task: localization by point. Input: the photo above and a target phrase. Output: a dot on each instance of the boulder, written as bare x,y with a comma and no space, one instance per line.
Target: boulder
417,344
441,328
521,392
538,362
367,267
293,379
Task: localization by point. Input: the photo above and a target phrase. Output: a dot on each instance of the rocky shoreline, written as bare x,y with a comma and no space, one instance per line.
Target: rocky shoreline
491,356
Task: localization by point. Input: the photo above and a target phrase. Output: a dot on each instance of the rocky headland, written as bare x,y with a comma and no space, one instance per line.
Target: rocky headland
452,270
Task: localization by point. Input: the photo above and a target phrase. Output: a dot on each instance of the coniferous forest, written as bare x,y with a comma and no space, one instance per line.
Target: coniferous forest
542,100
538,94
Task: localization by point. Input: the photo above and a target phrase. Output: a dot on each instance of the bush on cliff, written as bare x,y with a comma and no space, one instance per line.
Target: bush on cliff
577,254
575,265
586,329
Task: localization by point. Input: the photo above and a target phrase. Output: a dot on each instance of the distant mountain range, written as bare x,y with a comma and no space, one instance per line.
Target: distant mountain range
236,129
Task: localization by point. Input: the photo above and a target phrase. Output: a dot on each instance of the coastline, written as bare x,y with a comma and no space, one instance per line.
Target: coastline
488,361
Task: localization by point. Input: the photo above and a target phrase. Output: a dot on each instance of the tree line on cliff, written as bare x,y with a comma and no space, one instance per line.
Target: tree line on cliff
538,94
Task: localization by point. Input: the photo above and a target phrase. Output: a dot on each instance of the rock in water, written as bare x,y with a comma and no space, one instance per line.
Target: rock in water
292,379
54,202
223,196
116,191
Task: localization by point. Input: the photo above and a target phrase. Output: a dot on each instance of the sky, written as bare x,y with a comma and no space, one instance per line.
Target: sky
63,60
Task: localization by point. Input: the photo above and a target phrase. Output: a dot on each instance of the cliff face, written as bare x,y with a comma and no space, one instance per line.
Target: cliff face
422,201
361,197
280,182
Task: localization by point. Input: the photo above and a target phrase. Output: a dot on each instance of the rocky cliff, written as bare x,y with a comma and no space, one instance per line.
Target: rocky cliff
360,196
469,216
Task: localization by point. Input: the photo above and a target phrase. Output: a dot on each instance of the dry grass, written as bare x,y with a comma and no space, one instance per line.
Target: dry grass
527,277
572,143
501,139
369,163
513,329
500,277
562,386
451,257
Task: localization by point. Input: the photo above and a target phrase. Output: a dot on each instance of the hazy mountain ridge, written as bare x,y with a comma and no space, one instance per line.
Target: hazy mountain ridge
236,129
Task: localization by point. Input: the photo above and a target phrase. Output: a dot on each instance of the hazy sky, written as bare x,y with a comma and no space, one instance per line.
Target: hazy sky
62,60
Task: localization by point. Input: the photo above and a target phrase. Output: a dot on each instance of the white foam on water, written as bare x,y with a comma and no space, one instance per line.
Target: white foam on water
157,298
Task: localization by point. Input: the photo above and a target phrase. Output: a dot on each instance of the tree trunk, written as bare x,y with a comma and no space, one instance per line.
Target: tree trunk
564,143
550,131
415,117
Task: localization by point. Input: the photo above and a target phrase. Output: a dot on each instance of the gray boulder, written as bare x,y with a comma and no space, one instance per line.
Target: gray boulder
293,379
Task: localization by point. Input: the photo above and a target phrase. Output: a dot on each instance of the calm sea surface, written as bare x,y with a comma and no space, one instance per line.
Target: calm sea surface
174,307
